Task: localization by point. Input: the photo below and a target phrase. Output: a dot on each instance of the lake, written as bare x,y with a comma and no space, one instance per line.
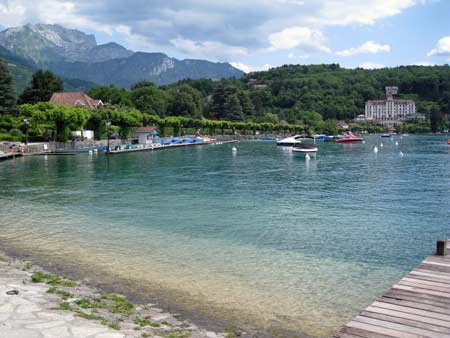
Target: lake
262,240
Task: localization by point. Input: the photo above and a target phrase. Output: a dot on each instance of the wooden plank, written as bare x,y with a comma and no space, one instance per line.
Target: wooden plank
428,292
429,276
400,327
424,286
406,321
418,297
382,330
439,258
364,333
435,262
412,279
435,272
410,316
432,267
411,310
416,305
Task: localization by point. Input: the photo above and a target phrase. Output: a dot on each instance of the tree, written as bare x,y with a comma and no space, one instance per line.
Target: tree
7,95
111,95
232,109
149,99
185,101
43,85
246,103
435,119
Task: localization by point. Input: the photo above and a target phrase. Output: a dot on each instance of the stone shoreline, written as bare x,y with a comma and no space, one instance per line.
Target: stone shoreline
37,304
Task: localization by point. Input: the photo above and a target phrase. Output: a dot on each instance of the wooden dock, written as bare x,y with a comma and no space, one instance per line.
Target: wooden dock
168,146
9,156
417,306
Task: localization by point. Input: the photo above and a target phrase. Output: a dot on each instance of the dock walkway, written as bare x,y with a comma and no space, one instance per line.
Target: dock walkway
9,156
417,306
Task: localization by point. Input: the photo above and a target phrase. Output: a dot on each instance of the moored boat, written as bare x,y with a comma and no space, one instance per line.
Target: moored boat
290,141
349,137
305,148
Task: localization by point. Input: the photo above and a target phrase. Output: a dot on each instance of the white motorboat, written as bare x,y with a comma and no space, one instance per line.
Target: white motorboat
290,141
305,148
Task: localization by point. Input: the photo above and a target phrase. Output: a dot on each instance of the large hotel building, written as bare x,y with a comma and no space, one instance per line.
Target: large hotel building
390,111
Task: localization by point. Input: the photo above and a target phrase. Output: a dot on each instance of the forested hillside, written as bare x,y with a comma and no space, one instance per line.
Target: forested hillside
340,93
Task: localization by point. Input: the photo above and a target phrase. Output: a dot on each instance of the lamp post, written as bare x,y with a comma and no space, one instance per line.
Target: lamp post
26,130
108,124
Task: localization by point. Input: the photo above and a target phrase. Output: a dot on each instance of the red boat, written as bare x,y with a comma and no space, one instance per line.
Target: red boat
349,137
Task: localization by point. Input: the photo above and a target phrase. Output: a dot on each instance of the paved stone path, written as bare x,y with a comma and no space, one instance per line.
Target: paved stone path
29,314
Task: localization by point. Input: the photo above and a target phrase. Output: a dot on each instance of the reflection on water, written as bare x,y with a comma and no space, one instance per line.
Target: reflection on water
261,238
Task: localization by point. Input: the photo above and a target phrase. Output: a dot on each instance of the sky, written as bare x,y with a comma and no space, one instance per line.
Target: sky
258,34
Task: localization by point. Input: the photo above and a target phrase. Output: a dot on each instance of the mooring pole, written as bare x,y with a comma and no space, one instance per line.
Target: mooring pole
441,248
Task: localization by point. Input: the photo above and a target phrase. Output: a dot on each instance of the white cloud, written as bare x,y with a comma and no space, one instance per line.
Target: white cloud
367,12
304,38
245,68
371,65
442,47
298,56
423,63
19,12
369,47
210,49
248,69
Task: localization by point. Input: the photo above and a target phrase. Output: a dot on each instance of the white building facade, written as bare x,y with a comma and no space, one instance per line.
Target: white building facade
390,111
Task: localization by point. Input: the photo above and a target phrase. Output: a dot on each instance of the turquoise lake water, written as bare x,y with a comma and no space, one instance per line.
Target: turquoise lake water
261,240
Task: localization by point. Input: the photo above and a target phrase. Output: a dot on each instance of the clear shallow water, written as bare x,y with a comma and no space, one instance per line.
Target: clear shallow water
262,240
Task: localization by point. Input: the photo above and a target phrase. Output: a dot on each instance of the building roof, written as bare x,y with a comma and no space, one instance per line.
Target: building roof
147,130
395,101
75,99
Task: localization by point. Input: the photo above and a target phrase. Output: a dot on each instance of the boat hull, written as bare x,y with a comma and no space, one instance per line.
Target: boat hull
297,150
349,140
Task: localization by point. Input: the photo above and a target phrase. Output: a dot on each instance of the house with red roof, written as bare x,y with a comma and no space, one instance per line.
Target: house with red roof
75,99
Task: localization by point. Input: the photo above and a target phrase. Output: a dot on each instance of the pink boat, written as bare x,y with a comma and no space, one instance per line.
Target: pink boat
349,137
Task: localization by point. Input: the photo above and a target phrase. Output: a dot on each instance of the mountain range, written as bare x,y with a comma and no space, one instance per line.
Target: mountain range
82,63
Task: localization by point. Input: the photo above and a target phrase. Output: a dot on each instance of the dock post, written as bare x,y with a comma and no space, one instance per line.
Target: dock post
441,248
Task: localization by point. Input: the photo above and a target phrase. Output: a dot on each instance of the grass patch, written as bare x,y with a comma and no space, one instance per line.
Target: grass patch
178,334
166,323
142,322
86,303
63,294
155,324
114,325
145,335
88,316
40,277
64,306
120,304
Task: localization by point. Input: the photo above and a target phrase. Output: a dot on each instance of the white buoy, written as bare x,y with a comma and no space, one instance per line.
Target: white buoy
307,157
375,149
364,142
396,143
90,152
381,145
234,149
401,154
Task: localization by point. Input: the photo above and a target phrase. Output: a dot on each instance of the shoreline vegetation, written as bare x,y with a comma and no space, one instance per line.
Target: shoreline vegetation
111,310
289,99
